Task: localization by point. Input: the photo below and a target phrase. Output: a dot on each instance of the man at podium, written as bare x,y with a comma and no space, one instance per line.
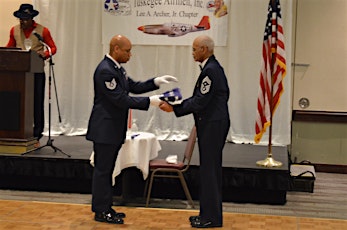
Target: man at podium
29,35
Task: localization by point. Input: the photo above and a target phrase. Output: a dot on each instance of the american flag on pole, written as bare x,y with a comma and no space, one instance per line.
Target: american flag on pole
273,70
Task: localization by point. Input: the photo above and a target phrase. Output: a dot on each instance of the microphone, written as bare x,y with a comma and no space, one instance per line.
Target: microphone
43,43
38,36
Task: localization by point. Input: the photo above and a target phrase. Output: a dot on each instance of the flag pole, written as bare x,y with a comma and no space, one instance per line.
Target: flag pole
269,161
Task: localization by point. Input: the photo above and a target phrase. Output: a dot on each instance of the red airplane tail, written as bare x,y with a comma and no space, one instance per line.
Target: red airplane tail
204,23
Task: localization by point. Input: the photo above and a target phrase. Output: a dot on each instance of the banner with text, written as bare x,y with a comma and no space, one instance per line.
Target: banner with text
165,22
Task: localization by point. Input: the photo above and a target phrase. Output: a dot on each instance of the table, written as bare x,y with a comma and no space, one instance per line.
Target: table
135,152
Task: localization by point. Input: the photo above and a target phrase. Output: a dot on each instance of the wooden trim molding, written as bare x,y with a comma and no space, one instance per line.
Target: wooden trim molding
319,116
331,168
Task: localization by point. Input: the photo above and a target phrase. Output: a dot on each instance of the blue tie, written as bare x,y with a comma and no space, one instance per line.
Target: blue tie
124,72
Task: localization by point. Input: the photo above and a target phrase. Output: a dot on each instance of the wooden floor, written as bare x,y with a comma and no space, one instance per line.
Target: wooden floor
31,215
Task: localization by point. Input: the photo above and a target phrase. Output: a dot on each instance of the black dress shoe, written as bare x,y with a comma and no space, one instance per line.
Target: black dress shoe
194,218
118,214
108,217
208,224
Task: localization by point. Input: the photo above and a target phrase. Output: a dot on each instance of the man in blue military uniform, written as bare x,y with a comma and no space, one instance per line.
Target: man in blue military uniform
108,121
209,106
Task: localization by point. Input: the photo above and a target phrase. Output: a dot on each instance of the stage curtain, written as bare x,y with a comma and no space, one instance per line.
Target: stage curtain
76,28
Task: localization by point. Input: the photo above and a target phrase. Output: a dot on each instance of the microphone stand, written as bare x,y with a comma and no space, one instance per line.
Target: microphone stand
51,74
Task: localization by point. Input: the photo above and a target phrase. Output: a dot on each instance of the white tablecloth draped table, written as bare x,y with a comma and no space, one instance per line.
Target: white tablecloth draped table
135,152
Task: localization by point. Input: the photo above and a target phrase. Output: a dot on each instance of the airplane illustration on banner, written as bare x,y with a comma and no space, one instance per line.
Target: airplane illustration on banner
176,29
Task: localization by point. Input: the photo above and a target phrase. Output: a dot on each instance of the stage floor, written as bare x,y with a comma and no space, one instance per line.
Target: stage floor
50,170
80,149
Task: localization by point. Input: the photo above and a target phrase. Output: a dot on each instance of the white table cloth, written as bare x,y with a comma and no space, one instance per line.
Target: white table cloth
136,152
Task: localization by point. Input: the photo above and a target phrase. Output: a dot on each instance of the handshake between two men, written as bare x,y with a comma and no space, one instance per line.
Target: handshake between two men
167,99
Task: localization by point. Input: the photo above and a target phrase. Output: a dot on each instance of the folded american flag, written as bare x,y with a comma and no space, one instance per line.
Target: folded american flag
173,96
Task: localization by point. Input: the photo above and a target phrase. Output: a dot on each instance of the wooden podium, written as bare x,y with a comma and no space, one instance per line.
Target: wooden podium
17,68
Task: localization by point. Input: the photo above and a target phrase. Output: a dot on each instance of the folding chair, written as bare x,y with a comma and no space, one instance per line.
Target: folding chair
161,168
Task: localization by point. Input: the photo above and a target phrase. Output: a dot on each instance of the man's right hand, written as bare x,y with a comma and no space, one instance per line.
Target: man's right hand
166,107
155,100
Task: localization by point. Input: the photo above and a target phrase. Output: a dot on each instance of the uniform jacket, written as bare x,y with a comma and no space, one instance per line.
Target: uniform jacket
209,101
108,120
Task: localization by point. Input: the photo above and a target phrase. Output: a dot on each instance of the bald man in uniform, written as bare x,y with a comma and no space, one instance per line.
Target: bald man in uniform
108,121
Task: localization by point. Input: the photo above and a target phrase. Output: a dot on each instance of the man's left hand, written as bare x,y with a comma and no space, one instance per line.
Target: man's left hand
165,79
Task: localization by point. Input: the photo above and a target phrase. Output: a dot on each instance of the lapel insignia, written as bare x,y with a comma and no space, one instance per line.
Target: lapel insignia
111,85
205,85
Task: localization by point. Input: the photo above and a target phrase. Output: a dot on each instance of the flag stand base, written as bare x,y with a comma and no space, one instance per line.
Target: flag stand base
269,162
